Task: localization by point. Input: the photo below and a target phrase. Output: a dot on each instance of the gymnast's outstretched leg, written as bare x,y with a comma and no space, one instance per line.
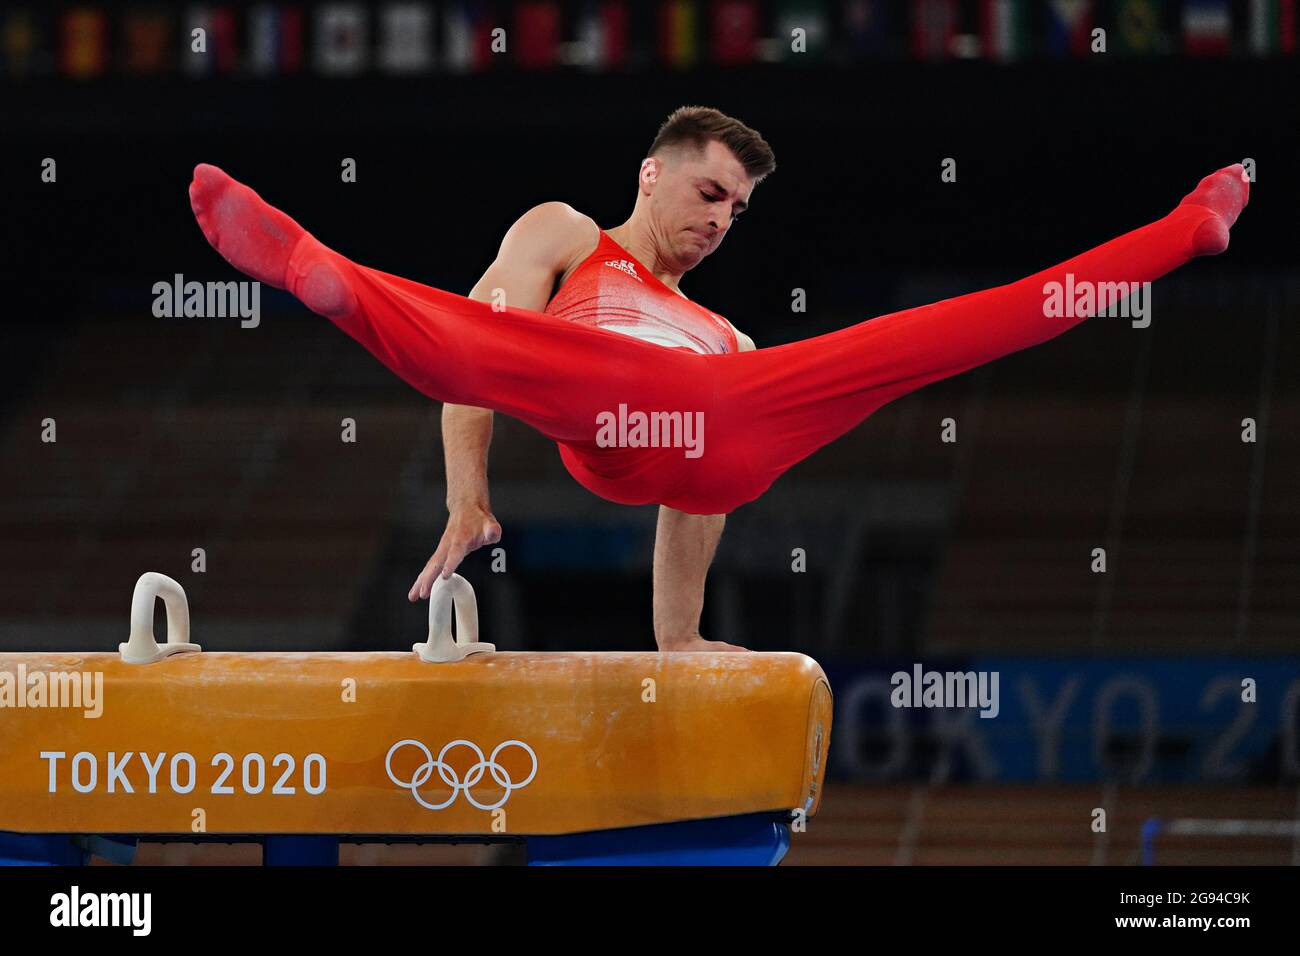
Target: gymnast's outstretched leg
766,409
552,374
786,402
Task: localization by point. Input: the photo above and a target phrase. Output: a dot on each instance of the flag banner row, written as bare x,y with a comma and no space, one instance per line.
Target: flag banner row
403,38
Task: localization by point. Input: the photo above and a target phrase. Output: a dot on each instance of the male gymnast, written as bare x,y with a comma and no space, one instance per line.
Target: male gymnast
619,336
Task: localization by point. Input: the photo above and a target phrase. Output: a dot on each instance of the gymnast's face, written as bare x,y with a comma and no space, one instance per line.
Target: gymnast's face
694,196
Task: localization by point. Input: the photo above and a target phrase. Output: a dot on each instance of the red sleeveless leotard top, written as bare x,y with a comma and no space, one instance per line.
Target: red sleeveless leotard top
611,290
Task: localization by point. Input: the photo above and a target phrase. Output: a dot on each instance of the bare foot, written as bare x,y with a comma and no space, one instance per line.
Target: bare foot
700,644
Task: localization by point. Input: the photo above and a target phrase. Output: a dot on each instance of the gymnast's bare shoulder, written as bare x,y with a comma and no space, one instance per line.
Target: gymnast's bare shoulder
544,244
743,341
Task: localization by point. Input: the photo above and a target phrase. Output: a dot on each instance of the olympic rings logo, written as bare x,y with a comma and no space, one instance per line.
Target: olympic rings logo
450,777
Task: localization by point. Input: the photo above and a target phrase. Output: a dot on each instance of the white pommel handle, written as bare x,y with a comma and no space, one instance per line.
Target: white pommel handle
441,648
141,648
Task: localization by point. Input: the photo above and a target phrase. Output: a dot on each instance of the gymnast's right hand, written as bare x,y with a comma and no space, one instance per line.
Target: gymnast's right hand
468,528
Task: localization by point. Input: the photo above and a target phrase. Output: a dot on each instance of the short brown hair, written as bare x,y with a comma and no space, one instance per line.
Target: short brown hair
700,125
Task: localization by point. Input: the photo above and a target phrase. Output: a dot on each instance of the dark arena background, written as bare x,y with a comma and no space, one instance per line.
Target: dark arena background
1108,522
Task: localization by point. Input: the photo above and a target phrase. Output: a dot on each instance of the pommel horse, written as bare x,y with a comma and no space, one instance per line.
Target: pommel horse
591,758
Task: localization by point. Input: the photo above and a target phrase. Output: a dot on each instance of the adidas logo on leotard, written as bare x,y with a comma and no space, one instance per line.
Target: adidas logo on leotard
624,266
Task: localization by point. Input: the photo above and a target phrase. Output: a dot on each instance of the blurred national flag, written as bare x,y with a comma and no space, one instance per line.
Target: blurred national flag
406,37
275,39
219,54
934,28
1273,27
20,43
870,29
1069,27
341,39
467,32
1004,26
146,34
1207,27
537,33
602,33
1140,28
678,28
735,31
85,40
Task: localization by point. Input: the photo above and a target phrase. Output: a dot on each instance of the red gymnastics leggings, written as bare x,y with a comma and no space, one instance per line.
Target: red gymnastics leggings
763,410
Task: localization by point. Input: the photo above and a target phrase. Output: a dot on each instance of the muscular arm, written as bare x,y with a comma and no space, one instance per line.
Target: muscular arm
521,276
684,549
536,249
466,436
